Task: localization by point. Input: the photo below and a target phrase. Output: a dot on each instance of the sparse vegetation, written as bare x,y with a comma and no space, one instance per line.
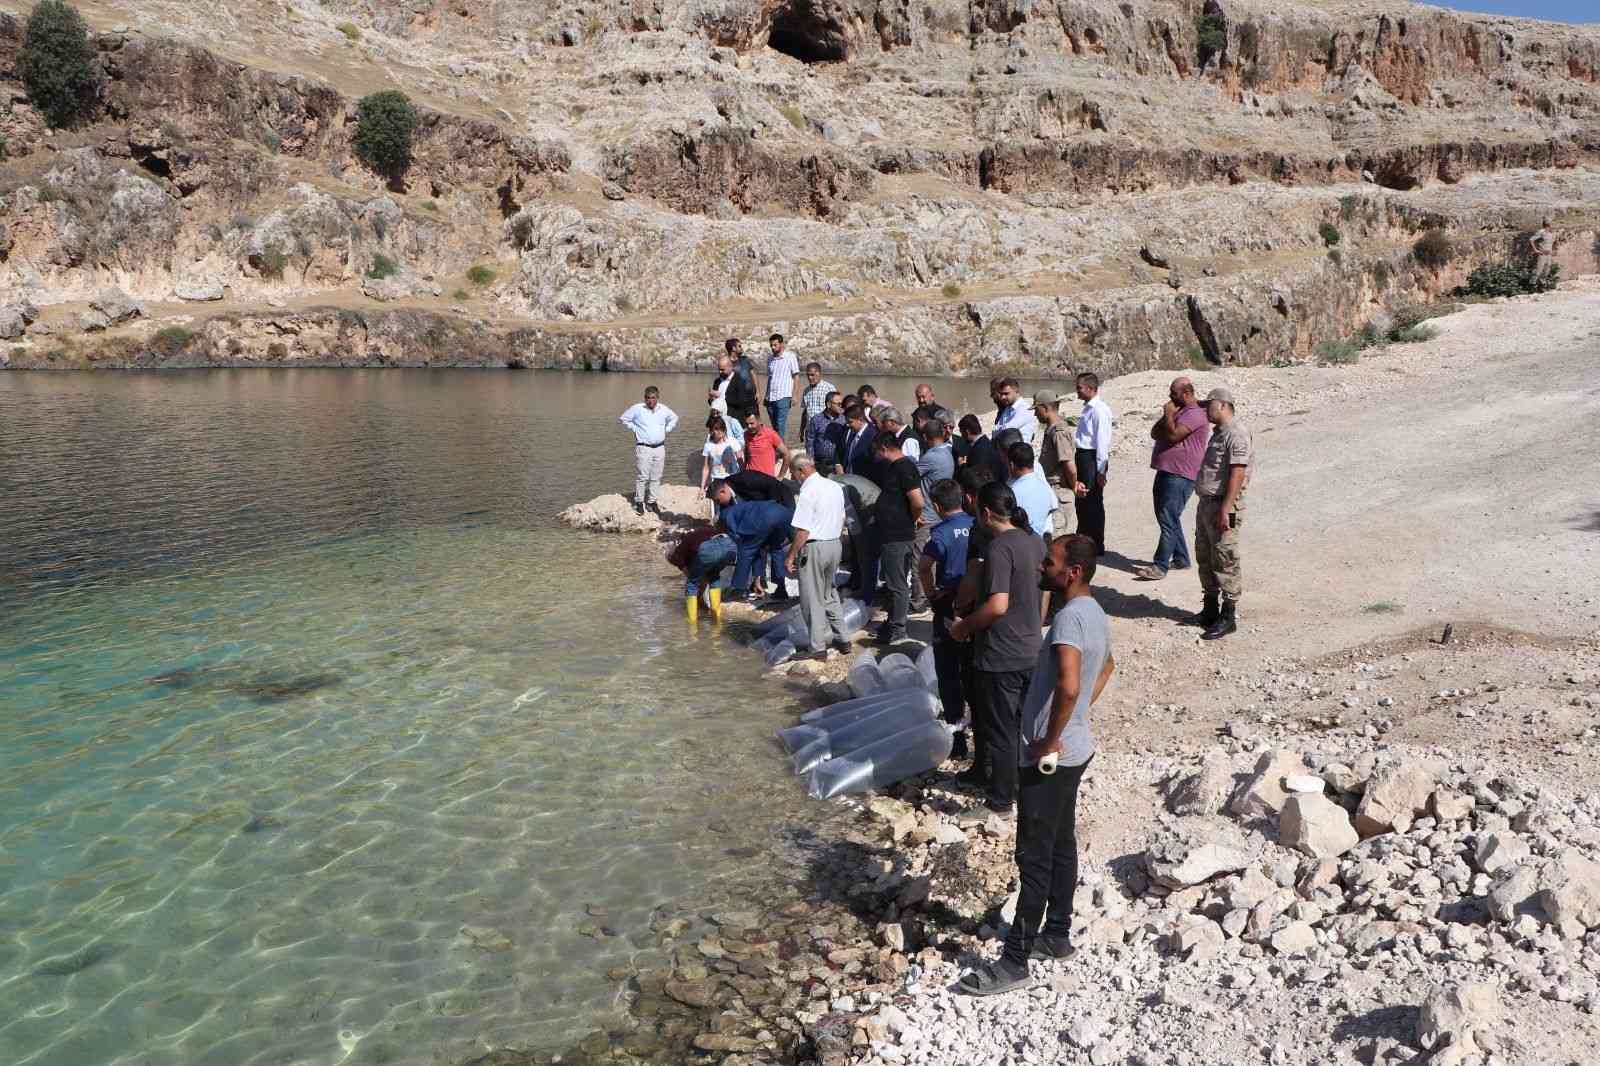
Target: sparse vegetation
49,194
796,118
382,267
273,261
432,205
1507,278
1381,274
171,340
351,31
1339,353
1383,607
1329,234
1347,207
1434,249
951,290
461,294
385,124
1336,256
57,63
481,275
1197,358
522,232
1211,36
380,227
1412,334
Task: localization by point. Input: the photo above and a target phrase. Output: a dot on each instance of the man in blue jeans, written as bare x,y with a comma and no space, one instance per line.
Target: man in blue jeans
1180,435
703,554
783,370
757,527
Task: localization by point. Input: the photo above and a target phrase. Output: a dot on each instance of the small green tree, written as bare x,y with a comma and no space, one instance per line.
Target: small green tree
385,123
1211,34
1329,233
57,63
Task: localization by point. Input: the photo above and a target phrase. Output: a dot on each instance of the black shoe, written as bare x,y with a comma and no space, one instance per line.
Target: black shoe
843,647
638,509
1208,614
973,778
1052,947
654,508
958,747
1226,623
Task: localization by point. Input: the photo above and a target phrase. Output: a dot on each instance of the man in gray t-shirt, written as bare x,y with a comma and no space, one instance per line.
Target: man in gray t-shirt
1072,670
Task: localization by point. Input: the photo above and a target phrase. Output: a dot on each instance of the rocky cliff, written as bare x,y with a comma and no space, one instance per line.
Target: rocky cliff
948,184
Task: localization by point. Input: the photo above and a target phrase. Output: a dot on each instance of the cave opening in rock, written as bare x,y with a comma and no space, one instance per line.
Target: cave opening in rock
801,31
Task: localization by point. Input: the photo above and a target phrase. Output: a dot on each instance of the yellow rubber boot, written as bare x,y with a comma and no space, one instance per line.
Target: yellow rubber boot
715,595
691,607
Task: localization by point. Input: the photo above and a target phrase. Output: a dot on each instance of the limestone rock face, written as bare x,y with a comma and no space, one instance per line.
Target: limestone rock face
1316,825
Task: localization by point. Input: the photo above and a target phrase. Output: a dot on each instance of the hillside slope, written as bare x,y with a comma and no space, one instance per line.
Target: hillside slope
951,184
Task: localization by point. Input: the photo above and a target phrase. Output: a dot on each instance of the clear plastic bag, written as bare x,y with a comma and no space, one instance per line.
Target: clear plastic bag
782,618
780,652
853,710
925,667
841,738
865,679
906,754
898,671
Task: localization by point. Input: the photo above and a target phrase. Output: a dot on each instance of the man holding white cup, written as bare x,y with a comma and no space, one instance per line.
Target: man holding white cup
1073,667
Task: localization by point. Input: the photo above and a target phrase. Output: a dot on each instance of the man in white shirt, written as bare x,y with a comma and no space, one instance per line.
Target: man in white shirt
814,553
783,371
650,422
1010,412
1092,459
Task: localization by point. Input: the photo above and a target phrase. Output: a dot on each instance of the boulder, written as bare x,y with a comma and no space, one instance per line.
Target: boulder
1450,1016
1196,938
1313,824
1513,892
1205,790
1496,851
12,324
393,287
198,291
116,305
1395,796
1296,938
1569,892
1178,864
1448,805
1156,254
1264,794
92,321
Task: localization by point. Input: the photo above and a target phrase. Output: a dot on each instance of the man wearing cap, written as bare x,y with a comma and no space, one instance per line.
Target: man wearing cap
1224,477
1180,435
1092,458
1055,456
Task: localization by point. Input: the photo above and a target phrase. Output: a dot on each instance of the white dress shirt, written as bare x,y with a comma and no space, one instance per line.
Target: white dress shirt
819,509
781,371
1019,416
1094,433
649,427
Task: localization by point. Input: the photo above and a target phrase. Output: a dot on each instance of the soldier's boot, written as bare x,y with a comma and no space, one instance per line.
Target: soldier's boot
1208,614
1226,623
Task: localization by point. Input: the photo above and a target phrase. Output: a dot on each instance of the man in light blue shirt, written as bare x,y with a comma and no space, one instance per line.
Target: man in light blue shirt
1092,458
1010,411
1032,491
783,370
650,423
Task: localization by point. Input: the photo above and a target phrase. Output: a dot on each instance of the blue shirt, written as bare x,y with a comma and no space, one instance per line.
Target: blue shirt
1019,416
755,525
649,427
935,465
1037,498
947,547
817,438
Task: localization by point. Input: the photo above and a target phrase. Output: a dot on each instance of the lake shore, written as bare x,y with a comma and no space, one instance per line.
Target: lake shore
1339,669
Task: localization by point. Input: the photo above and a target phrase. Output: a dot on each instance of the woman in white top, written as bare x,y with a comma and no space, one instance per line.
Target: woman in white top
721,456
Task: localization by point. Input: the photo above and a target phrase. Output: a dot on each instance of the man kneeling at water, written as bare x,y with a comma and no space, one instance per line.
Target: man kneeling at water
703,554
1073,668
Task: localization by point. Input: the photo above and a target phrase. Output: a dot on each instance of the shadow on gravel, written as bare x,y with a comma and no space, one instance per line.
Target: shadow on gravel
1397,1023
1137,605
1588,523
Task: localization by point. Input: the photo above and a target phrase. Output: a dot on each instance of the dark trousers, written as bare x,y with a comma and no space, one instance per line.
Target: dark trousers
952,663
864,573
1047,857
895,560
1091,508
1171,495
997,701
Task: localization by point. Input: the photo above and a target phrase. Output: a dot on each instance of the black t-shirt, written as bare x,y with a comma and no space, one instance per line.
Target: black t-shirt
754,485
896,521
1012,567
961,447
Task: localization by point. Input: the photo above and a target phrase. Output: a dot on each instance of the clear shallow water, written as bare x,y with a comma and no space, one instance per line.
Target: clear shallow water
320,743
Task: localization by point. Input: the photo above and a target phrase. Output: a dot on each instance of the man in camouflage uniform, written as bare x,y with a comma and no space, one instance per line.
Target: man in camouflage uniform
1224,477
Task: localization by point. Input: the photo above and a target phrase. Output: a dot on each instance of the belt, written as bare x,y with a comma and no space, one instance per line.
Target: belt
662,444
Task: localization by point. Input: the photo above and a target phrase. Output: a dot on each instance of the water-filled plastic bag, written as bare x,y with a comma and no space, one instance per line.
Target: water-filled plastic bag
780,652
865,679
782,618
838,738
852,710
925,667
906,754
898,671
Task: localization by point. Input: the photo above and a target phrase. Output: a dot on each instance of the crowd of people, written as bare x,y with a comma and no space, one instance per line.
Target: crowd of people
933,514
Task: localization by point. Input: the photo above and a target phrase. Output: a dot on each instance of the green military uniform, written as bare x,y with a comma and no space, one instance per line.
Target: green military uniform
1218,553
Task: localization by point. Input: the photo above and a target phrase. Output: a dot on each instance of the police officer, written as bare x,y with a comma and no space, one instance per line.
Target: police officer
1224,477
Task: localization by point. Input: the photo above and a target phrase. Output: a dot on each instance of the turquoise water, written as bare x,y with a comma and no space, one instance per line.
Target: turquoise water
320,743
